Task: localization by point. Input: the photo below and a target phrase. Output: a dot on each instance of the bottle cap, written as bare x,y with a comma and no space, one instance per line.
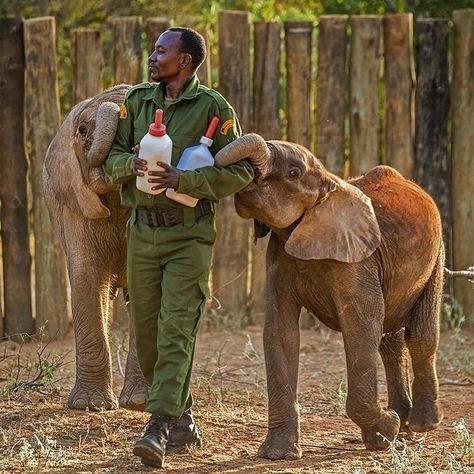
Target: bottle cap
157,129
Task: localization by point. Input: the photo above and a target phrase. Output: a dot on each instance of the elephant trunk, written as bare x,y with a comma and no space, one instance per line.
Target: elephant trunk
251,146
106,119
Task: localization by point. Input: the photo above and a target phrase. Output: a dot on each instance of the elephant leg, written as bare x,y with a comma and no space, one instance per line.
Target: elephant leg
281,347
90,303
394,353
134,394
362,333
422,338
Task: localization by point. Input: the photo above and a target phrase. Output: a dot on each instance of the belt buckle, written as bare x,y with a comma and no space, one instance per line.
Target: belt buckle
169,217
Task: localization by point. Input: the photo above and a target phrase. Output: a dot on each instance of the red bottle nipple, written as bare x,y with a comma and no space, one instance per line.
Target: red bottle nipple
157,129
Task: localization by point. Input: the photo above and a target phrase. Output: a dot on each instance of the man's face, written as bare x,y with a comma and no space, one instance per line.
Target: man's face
167,60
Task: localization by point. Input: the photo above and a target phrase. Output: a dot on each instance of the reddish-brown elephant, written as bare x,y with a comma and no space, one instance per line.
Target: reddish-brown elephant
366,257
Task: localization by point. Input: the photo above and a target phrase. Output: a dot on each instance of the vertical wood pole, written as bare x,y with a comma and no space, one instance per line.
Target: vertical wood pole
234,63
267,80
127,50
204,70
14,206
43,118
399,92
154,28
87,64
231,253
267,47
364,72
432,170
298,36
331,97
462,155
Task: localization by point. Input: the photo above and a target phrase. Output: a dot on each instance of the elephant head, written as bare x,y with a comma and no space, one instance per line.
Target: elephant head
73,174
327,217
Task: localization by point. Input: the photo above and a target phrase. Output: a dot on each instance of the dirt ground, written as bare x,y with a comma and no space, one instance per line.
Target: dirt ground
39,434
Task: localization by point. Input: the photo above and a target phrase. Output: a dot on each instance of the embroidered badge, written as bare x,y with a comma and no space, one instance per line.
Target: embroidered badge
226,126
123,112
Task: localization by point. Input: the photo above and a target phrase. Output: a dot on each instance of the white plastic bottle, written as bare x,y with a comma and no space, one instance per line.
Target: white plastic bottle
155,146
195,157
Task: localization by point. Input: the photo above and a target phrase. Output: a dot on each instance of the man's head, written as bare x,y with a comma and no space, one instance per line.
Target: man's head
178,51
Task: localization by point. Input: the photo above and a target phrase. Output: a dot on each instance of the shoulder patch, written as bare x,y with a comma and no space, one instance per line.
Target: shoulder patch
123,114
226,126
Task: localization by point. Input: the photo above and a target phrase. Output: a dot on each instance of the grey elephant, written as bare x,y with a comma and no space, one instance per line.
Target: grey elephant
365,257
86,211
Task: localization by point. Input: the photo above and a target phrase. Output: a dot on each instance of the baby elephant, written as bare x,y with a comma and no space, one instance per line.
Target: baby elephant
366,257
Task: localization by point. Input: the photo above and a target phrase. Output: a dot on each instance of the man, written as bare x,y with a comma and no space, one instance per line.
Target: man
170,245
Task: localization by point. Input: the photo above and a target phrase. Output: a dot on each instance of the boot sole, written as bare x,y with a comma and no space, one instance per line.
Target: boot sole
148,456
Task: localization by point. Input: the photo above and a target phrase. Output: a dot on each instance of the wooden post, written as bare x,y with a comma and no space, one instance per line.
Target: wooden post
14,208
399,92
267,124
204,70
331,98
298,39
267,80
234,62
230,273
462,153
43,118
432,170
364,72
127,50
87,64
154,28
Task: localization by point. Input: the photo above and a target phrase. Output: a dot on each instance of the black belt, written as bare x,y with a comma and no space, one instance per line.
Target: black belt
170,217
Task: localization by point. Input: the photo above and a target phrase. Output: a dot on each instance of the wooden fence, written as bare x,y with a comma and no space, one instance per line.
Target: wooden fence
346,88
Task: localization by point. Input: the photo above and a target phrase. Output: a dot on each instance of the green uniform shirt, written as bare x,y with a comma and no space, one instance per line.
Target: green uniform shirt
186,120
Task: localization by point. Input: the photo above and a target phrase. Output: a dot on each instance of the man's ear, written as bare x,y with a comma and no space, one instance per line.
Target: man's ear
260,230
186,60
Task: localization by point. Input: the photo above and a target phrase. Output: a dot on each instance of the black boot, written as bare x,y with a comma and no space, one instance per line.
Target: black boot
183,433
151,447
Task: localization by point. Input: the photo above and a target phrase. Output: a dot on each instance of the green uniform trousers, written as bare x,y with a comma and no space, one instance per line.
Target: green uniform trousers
168,275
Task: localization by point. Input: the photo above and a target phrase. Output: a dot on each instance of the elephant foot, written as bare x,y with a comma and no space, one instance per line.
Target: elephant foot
403,412
379,436
278,445
134,394
92,398
425,417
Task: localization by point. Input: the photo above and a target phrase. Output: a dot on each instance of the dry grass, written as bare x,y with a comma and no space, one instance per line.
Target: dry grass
38,434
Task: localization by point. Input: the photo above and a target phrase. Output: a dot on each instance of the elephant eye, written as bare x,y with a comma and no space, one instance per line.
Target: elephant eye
294,173
82,130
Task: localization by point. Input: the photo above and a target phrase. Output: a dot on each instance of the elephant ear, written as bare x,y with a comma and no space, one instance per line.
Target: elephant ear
63,178
341,227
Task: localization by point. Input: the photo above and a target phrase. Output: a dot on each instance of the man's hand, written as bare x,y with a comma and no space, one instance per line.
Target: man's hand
138,165
168,178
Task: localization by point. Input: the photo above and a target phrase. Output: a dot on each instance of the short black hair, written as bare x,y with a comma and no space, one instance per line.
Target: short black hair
193,44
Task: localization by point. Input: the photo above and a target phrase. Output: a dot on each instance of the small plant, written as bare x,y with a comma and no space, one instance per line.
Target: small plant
404,458
463,442
41,451
37,376
335,399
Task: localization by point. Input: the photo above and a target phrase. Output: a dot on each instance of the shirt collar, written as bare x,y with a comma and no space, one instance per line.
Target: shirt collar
157,93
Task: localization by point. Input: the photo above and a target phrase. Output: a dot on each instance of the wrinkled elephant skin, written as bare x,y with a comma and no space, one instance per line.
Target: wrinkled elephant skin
366,258
86,212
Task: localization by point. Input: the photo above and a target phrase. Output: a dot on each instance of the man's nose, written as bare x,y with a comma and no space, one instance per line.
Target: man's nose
152,56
